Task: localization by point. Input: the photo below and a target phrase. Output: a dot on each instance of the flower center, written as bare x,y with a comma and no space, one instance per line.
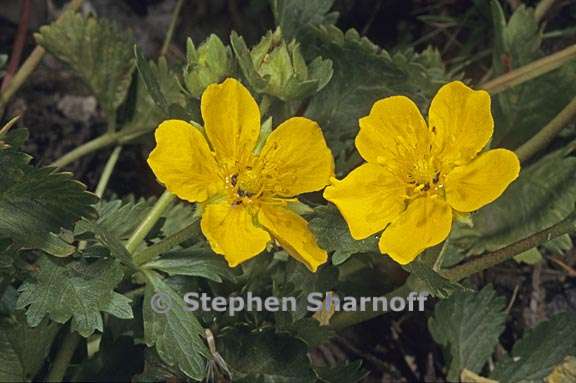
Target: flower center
425,177
244,187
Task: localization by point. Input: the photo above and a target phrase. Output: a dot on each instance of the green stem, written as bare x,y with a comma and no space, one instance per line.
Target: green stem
547,134
530,71
483,262
167,244
64,357
542,9
148,223
28,67
171,28
120,137
107,172
457,273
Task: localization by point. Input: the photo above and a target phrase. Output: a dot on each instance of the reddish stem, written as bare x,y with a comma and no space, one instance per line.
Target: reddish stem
25,8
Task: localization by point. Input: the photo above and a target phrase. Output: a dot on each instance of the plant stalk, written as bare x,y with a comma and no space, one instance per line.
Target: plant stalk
148,223
107,172
103,141
483,262
547,134
530,71
64,357
28,67
171,28
457,273
167,244
542,9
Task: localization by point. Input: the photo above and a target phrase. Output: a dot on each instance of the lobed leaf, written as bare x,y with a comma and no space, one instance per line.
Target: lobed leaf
74,291
97,50
468,325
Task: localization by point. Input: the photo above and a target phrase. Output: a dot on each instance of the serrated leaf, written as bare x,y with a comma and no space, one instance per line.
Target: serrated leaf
97,50
23,350
177,334
194,263
265,357
523,110
310,331
346,373
294,15
75,290
377,74
35,202
468,325
424,279
333,235
121,218
543,195
150,80
534,356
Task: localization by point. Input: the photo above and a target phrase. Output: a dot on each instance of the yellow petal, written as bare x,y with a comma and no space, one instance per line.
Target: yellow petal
182,161
425,223
394,129
231,119
368,198
480,182
461,120
293,234
230,230
295,158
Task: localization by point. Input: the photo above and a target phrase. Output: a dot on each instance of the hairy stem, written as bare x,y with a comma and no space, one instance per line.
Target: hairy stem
542,9
107,139
484,262
148,223
107,172
530,71
171,28
64,357
457,273
547,134
167,244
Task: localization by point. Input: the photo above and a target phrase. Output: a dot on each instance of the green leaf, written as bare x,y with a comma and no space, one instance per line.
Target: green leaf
99,51
376,74
333,235
523,110
194,263
76,291
35,202
294,15
266,357
150,80
534,356
531,257
119,217
23,350
424,279
543,195
177,334
309,331
468,325
346,373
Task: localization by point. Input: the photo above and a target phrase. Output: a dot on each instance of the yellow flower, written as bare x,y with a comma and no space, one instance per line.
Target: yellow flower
244,194
416,174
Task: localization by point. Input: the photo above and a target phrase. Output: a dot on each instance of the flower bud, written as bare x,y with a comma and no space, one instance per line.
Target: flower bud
278,68
212,62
